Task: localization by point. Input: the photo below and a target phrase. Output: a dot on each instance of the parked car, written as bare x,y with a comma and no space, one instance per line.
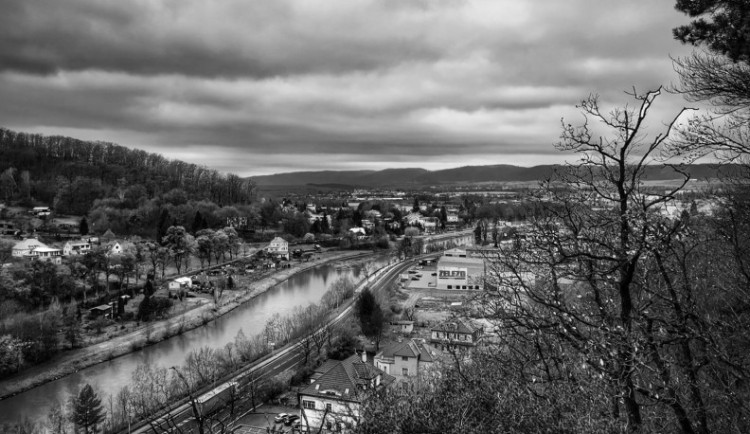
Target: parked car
290,419
280,418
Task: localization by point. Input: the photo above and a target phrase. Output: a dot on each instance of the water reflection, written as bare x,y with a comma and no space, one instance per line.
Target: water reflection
302,289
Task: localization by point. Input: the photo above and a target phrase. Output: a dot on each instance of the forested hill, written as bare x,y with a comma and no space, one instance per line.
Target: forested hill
71,174
466,174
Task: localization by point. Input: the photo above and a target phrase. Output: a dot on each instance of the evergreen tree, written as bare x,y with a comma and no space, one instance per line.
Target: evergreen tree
162,225
145,309
148,289
371,317
83,227
198,222
87,412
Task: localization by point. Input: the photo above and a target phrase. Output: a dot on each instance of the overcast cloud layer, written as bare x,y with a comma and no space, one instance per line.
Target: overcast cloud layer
265,86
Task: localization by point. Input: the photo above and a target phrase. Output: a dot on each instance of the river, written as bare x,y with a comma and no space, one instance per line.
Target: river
302,289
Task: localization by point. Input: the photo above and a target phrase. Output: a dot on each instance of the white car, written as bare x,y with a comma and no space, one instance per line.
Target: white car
280,418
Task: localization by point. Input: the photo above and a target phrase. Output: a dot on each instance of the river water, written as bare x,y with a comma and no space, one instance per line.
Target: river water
107,378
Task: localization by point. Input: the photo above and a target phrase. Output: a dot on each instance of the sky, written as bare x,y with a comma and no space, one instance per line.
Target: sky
256,87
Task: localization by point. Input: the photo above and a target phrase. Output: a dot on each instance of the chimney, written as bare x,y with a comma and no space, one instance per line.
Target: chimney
364,355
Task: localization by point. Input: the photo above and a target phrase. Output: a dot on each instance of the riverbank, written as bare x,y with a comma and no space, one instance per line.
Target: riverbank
75,360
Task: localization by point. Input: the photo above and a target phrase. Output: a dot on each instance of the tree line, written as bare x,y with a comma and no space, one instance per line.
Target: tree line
72,174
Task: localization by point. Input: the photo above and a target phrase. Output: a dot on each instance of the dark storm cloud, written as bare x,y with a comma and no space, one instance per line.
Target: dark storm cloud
225,38
256,86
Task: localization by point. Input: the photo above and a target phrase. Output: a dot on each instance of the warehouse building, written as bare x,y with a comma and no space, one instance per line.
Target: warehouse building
457,271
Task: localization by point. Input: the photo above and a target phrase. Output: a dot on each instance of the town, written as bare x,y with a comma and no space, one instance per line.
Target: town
435,253
374,217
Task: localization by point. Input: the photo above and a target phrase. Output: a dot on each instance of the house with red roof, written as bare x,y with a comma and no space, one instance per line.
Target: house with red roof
337,390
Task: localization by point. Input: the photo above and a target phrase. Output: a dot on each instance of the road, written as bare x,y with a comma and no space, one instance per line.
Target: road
180,416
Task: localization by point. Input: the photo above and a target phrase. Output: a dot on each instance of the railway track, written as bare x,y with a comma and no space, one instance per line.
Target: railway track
174,417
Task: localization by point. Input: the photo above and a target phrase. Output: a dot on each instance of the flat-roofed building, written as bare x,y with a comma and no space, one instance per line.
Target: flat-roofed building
457,271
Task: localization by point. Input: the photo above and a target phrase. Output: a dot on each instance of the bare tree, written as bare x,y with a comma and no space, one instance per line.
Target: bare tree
586,300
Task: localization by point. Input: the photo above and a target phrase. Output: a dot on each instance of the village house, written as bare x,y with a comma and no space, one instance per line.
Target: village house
338,388
456,333
278,247
115,249
72,248
404,360
429,224
41,211
179,285
357,231
405,327
46,254
24,248
368,224
413,218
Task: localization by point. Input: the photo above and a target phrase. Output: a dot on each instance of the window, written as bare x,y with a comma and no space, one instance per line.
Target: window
450,286
308,404
405,371
328,407
404,359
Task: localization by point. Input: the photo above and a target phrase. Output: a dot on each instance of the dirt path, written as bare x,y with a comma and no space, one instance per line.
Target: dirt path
75,360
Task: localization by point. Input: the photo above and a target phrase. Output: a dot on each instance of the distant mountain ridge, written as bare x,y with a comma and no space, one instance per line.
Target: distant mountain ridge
418,177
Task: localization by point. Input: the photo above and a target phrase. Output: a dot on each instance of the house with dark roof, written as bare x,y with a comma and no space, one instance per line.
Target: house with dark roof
336,392
404,360
456,334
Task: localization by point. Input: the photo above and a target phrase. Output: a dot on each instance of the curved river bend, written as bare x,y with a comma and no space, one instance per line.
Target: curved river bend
302,289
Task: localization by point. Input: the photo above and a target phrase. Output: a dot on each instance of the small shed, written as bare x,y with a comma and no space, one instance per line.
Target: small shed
103,310
404,326
180,284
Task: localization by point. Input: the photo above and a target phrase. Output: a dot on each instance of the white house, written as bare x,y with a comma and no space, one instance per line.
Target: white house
24,248
47,254
180,283
334,398
429,224
279,247
357,231
41,211
404,360
76,248
115,248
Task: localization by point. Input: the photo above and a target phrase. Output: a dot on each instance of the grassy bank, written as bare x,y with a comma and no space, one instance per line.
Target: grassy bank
75,360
